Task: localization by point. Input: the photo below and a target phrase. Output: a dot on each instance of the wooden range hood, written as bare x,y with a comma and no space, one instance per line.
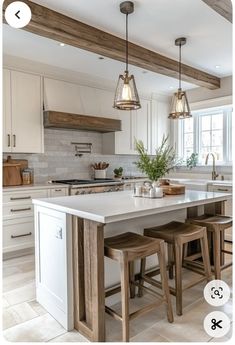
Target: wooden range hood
59,120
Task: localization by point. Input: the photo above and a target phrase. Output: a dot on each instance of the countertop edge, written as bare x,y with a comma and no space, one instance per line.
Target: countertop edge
130,215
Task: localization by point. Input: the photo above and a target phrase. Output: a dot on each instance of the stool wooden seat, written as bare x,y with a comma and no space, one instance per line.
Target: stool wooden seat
216,224
176,235
126,248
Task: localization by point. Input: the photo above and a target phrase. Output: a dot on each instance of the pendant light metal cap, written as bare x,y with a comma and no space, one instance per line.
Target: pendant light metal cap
179,107
126,95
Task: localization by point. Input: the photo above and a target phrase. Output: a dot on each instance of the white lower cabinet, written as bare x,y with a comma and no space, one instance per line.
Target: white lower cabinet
18,213
54,264
18,234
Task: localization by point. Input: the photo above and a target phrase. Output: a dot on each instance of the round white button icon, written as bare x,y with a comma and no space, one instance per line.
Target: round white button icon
217,293
217,324
18,14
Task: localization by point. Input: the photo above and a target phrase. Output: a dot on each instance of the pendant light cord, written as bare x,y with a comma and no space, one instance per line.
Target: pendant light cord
180,66
127,42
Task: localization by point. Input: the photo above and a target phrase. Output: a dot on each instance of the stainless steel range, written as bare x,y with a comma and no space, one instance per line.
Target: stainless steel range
79,187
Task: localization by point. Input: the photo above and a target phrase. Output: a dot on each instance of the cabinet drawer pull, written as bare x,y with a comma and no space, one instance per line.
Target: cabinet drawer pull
21,209
14,140
23,235
223,190
8,140
58,190
21,198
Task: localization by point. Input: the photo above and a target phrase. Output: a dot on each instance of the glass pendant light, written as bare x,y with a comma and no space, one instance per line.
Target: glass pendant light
126,95
180,106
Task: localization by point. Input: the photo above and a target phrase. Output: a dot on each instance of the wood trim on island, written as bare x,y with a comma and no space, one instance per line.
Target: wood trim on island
54,25
88,278
60,120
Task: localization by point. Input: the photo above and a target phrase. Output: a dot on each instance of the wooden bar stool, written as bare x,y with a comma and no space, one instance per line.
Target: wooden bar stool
216,226
126,248
178,234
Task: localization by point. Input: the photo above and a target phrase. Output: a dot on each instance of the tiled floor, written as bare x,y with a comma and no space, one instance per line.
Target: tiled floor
25,320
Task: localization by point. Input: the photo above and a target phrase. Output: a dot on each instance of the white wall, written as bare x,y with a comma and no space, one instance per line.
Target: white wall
201,93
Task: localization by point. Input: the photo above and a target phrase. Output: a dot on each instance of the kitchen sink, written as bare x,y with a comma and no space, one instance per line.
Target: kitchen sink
200,184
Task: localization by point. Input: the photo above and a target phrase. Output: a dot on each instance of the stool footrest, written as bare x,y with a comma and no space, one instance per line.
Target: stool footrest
145,310
158,284
198,266
226,251
113,313
151,291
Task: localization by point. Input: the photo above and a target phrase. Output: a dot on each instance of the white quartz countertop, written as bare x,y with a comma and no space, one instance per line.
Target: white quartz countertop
34,186
116,206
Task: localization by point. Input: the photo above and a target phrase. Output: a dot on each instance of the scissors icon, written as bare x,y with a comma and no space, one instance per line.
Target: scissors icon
216,324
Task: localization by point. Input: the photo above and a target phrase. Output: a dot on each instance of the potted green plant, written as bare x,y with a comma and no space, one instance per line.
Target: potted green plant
158,165
118,172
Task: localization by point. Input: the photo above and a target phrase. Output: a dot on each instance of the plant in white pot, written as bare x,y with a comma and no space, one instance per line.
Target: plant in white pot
158,165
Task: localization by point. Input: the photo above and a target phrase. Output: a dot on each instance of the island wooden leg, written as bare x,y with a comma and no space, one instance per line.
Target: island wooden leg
88,278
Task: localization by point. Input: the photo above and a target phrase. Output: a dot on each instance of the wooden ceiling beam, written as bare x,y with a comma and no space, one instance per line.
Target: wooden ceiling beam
223,7
48,23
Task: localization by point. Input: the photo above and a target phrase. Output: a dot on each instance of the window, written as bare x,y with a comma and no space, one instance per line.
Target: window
207,131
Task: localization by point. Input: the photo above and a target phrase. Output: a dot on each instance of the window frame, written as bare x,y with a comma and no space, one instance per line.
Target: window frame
227,133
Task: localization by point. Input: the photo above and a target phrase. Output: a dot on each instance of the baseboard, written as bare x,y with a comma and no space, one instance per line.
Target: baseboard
18,253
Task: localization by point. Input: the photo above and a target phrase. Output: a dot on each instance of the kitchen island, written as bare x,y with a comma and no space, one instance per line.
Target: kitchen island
69,235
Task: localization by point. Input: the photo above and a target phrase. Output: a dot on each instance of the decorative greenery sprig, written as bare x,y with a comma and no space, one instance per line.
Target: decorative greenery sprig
158,165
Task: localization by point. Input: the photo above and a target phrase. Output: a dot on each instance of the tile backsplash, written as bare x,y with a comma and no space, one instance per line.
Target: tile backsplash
59,162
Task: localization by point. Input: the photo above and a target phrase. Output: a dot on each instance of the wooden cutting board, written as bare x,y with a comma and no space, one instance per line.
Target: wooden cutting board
173,189
11,174
23,162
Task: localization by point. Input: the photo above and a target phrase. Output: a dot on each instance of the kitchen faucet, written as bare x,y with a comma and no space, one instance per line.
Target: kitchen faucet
213,174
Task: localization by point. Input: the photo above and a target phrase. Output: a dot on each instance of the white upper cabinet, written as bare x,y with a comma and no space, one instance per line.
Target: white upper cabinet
7,136
148,124
160,124
141,124
22,113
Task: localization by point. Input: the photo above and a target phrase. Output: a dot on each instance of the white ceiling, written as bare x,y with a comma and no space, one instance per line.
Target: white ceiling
155,24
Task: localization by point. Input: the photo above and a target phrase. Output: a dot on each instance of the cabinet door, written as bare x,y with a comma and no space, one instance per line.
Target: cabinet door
26,113
141,125
62,96
163,123
18,234
160,124
124,140
6,136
